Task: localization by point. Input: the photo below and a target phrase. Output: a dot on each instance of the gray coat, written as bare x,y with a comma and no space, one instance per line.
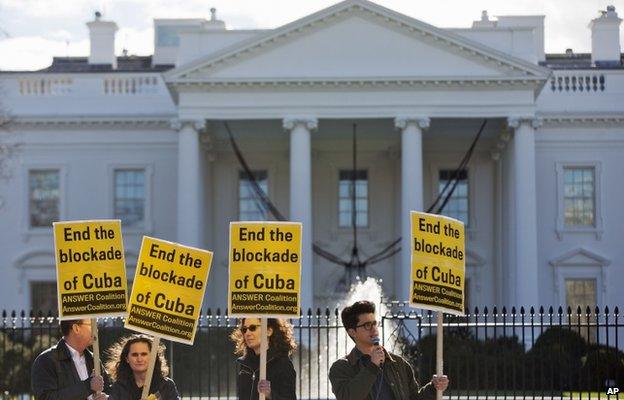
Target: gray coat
54,375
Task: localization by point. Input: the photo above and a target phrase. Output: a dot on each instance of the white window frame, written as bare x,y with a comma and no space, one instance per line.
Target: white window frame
561,228
148,224
29,231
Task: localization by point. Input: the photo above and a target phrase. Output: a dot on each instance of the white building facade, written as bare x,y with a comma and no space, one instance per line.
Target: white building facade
143,139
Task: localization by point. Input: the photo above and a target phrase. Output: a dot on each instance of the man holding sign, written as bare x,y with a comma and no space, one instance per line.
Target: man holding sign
371,372
64,371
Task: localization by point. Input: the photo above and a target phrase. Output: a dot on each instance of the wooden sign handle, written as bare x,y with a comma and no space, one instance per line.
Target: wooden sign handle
150,368
264,345
96,348
439,351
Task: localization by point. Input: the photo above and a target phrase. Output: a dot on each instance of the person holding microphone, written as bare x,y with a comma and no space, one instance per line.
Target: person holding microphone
369,372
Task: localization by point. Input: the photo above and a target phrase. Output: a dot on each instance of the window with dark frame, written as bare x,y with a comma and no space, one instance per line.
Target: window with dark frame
130,196
346,190
458,206
43,197
250,207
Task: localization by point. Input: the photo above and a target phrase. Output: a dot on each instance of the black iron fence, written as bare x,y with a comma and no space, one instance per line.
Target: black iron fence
490,353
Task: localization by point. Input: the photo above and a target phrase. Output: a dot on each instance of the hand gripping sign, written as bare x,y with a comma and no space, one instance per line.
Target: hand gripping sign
438,256
265,269
169,286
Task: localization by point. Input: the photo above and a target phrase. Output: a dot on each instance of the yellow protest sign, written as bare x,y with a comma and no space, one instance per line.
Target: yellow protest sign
438,263
90,268
265,269
168,289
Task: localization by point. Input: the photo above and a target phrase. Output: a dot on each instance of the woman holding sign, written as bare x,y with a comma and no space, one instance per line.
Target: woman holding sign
128,364
281,376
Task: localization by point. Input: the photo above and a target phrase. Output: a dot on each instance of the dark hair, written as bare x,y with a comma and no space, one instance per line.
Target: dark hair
350,315
117,366
282,340
67,324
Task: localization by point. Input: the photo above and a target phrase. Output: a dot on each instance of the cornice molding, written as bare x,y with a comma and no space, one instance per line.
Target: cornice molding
177,124
365,82
104,121
585,119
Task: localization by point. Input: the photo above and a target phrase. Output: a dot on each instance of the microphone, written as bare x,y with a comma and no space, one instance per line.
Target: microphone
376,342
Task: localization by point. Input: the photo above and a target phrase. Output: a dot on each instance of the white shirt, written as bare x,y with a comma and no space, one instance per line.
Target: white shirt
80,362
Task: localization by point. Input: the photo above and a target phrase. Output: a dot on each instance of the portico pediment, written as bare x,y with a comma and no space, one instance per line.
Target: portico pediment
357,40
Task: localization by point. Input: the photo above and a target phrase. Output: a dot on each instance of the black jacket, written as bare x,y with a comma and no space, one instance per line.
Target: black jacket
123,389
353,376
54,375
280,372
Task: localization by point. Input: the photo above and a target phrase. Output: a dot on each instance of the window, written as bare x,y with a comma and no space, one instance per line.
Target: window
346,191
43,297
579,197
129,202
580,292
250,207
44,197
457,205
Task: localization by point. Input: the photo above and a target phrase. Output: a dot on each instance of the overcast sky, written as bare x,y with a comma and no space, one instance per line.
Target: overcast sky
32,31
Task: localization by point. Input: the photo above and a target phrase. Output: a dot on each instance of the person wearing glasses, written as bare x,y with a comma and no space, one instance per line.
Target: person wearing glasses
128,361
371,372
65,371
281,376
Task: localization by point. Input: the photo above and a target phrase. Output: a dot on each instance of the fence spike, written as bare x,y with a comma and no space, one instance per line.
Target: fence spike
309,312
208,312
541,310
13,314
336,312
513,311
587,310
532,311
597,311
606,310
476,311
318,312
327,313
616,311
494,311
4,313
522,310
504,310
550,310
22,314
485,311
219,312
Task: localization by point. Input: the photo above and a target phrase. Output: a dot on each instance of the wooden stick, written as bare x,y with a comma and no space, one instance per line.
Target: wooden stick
439,351
96,348
150,368
263,351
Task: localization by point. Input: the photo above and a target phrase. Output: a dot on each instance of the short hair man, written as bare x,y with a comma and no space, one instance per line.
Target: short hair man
371,372
62,371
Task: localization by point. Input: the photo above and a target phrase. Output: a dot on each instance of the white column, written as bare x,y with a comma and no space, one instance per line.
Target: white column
411,193
527,277
301,197
190,186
